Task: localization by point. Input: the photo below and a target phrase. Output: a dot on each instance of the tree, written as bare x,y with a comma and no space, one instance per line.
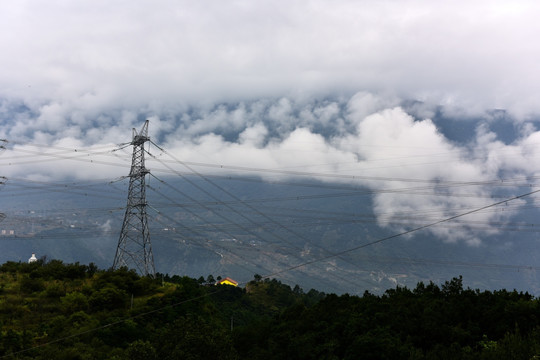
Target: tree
194,338
73,302
108,298
141,350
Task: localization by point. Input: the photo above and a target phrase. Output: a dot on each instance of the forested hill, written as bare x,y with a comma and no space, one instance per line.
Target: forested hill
54,310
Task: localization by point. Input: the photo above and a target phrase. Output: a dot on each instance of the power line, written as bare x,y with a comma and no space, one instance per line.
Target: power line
403,233
242,227
288,269
253,209
85,152
409,191
301,265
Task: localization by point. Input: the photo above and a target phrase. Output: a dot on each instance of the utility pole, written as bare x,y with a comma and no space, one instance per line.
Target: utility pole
134,249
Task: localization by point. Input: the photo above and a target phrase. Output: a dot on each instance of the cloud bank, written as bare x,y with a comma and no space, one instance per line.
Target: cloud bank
417,173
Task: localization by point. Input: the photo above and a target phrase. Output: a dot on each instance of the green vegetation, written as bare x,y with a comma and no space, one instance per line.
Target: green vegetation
52,310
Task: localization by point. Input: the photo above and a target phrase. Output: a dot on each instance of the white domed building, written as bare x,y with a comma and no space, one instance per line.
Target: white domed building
32,259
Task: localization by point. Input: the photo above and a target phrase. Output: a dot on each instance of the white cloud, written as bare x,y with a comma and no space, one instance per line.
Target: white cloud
254,135
414,165
329,87
98,55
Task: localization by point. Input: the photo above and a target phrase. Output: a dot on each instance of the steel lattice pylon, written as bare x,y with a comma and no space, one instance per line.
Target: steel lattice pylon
134,249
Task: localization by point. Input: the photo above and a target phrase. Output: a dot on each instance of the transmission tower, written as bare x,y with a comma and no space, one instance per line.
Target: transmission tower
134,249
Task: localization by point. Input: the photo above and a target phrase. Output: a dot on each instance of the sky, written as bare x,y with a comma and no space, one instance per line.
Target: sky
350,88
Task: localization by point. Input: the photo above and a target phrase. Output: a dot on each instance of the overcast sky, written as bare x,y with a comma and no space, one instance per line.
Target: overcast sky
314,85
94,54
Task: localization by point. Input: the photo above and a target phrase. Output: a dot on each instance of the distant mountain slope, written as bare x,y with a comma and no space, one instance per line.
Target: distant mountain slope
275,229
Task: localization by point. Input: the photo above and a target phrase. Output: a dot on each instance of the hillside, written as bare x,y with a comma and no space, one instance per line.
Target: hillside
73,311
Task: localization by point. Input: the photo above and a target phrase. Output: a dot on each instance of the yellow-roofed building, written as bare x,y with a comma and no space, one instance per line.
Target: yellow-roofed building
227,281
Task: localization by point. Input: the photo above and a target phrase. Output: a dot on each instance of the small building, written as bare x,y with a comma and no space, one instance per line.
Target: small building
32,259
227,281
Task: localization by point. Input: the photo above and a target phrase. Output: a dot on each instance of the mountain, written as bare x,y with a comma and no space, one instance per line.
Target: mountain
239,227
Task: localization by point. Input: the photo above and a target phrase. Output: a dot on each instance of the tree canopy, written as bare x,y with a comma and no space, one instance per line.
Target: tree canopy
74,311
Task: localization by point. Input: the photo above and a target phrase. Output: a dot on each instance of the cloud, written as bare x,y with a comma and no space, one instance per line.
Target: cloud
416,172
253,135
415,150
352,87
106,227
94,56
